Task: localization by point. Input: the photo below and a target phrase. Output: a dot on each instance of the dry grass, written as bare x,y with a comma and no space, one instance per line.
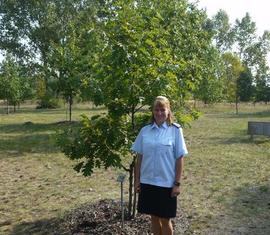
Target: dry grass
226,187
37,181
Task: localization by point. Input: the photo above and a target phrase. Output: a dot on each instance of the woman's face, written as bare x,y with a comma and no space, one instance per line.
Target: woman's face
161,113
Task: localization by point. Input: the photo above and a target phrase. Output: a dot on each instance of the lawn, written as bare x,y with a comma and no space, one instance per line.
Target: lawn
226,186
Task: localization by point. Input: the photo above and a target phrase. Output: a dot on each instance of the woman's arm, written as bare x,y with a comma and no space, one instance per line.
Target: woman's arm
178,175
137,172
179,169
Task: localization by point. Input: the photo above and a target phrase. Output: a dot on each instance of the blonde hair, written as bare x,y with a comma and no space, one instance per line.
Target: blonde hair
163,102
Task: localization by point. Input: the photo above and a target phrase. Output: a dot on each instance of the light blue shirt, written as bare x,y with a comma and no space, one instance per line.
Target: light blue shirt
159,147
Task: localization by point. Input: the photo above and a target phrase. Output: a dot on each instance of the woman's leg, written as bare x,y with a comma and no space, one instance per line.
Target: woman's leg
166,226
156,225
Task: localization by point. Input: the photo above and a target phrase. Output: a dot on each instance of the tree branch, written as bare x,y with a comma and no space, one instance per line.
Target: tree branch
136,110
126,169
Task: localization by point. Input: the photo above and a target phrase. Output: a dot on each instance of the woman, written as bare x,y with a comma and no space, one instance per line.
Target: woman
160,147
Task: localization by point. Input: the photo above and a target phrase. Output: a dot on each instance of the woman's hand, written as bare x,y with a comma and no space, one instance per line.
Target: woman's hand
175,191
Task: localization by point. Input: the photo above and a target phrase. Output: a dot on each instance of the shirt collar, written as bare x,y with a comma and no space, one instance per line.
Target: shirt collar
163,125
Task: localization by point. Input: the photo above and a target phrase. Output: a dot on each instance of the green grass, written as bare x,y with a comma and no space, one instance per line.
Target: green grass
226,187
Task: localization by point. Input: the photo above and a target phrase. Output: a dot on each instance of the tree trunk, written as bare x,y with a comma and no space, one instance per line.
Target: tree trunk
14,108
70,106
236,105
130,189
7,107
134,192
132,168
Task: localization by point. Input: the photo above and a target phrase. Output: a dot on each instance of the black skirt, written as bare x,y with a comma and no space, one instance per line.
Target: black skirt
155,200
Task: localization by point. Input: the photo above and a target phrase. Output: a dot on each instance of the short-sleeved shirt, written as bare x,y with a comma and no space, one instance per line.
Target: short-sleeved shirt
160,147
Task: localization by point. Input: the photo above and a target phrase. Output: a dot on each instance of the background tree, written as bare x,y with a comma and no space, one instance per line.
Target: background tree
241,39
10,89
224,35
245,35
257,61
71,59
233,68
29,29
262,84
245,87
210,87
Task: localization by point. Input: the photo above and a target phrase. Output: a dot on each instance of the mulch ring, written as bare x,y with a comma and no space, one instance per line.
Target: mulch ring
104,217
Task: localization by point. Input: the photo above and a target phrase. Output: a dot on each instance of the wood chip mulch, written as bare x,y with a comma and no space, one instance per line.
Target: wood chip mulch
104,217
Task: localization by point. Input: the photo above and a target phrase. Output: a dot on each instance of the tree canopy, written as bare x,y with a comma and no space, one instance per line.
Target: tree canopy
144,49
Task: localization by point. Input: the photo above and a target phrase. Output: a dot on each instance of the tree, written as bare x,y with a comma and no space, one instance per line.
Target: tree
32,29
256,53
245,35
223,32
67,59
16,83
210,87
146,48
64,67
262,91
262,83
257,61
245,86
241,39
233,68
9,82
